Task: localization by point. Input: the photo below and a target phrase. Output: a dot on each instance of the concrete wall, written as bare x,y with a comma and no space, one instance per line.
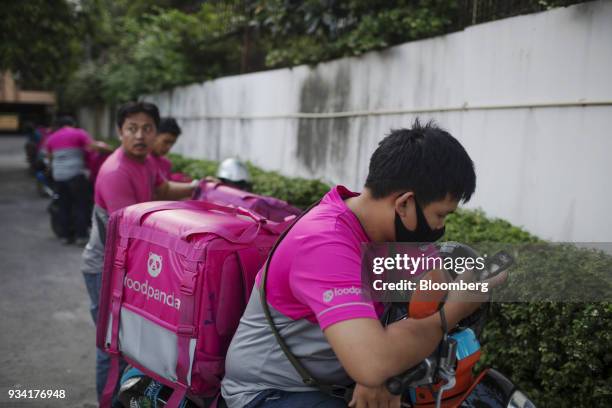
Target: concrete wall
98,120
524,95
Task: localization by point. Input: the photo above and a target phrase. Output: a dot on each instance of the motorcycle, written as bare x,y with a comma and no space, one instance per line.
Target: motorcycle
445,379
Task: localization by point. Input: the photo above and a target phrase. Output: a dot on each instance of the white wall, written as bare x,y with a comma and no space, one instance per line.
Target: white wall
547,169
98,120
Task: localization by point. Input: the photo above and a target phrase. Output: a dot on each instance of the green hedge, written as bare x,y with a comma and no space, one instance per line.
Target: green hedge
559,354
297,191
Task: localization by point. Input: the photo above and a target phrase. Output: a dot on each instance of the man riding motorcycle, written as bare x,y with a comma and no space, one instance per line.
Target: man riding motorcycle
416,178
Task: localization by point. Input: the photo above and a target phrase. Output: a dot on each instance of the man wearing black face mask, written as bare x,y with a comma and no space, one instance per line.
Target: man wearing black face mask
422,233
416,177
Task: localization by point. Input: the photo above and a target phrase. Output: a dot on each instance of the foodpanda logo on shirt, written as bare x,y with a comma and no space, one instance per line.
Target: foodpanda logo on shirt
154,264
329,295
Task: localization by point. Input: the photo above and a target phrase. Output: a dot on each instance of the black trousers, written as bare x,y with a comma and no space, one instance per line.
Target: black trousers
75,204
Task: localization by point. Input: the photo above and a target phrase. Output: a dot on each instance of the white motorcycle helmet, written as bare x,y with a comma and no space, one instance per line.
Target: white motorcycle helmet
232,171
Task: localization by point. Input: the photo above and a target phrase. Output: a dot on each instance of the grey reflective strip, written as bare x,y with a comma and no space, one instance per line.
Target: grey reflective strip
67,163
255,361
368,305
150,345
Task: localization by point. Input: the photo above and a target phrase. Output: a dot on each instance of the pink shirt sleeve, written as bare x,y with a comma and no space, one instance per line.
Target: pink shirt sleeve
166,167
49,144
159,179
327,279
153,166
85,139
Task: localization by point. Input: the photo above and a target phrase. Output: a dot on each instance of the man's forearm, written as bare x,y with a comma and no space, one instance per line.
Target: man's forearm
371,353
176,191
382,352
410,341
101,147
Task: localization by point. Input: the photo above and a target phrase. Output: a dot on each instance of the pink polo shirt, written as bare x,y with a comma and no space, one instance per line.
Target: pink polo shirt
123,181
315,273
68,138
163,164
68,146
314,281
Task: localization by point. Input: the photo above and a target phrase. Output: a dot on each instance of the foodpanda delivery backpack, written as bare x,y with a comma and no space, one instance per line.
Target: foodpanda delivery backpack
177,277
268,207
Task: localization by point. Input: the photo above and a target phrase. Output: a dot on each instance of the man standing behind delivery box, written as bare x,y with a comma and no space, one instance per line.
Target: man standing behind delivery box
167,134
129,176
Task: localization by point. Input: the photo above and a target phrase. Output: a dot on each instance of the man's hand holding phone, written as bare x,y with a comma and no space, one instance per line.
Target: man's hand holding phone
462,303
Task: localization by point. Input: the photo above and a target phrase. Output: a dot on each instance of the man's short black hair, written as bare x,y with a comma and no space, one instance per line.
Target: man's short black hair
169,125
424,159
131,108
64,120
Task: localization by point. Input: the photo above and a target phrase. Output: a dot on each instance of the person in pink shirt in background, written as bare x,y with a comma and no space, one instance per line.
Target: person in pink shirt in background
67,149
129,176
167,134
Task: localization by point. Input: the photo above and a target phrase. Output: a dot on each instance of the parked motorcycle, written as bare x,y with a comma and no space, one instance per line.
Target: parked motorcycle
445,379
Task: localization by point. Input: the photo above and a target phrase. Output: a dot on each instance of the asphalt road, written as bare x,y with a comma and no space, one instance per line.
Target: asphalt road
47,338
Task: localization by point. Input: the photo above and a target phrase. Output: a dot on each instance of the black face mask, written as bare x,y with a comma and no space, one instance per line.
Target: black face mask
422,233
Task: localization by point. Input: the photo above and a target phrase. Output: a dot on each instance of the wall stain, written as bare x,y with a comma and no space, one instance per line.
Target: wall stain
320,139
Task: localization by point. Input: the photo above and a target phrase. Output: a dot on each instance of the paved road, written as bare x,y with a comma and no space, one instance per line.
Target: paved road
46,333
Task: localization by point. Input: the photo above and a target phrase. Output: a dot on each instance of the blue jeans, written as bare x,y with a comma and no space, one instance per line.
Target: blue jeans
93,282
286,399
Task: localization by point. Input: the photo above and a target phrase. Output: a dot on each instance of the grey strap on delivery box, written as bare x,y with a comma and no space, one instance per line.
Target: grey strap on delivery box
336,391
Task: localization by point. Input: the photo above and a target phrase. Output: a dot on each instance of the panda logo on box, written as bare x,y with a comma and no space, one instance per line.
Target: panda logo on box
154,264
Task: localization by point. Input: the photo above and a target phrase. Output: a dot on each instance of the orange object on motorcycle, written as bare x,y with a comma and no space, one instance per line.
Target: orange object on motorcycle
464,378
424,303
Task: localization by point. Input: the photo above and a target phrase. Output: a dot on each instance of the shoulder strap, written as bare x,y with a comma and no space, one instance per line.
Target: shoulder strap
337,391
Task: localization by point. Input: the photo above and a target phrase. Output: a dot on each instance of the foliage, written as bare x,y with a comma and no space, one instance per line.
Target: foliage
295,190
475,226
559,354
298,191
201,168
154,51
39,42
179,163
312,31
128,48
84,88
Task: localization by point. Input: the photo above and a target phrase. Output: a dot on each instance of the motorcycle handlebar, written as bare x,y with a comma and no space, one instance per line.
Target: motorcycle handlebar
396,385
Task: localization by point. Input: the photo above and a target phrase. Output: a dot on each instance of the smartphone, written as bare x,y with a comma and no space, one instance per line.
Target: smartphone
496,264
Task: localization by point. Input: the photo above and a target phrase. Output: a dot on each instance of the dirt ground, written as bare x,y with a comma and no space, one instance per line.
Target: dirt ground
47,337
